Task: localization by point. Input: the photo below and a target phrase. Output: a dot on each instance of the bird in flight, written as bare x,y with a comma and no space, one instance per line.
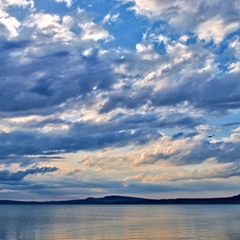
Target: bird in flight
211,136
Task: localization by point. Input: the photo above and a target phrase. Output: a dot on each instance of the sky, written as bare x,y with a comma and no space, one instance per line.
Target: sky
119,97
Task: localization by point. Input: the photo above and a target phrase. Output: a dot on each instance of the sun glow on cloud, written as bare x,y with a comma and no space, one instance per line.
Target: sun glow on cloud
128,97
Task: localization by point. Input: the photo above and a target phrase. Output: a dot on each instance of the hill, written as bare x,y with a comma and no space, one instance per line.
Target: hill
134,200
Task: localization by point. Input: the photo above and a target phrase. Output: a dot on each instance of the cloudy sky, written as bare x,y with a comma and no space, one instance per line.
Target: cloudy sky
103,97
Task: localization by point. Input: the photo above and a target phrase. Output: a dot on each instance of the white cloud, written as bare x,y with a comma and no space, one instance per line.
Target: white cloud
68,2
234,67
19,3
158,38
237,130
179,52
215,29
185,15
183,39
146,52
43,20
115,17
93,31
49,27
8,25
111,18
164,8
107,18
67,21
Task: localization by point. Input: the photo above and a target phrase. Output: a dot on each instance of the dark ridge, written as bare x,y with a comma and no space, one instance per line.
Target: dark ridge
134,200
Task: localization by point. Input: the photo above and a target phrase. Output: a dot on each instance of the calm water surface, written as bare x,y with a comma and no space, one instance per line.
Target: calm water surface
171,222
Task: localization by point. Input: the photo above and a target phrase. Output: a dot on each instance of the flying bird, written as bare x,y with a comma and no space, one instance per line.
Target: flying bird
211,136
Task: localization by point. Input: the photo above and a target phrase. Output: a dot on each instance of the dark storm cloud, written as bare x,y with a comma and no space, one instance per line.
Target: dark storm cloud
25,161
216,94
21,160
182,135
13,45
137,121
118,132
79,137
46,81
6,175
126,99
39,124
21,143
177,135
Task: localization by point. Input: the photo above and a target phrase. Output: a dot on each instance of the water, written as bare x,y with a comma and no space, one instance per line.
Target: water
110,222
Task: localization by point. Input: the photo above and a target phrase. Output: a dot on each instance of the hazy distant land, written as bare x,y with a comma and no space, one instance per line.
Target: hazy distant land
135,200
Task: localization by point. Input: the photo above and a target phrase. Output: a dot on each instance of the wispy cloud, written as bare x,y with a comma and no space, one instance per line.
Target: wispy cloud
20,175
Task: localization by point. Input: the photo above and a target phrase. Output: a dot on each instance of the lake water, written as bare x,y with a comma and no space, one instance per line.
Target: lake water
170,222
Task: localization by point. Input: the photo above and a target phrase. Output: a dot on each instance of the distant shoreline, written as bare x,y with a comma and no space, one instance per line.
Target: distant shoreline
122,200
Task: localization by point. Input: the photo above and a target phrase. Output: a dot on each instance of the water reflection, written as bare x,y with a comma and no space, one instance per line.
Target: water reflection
119,222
